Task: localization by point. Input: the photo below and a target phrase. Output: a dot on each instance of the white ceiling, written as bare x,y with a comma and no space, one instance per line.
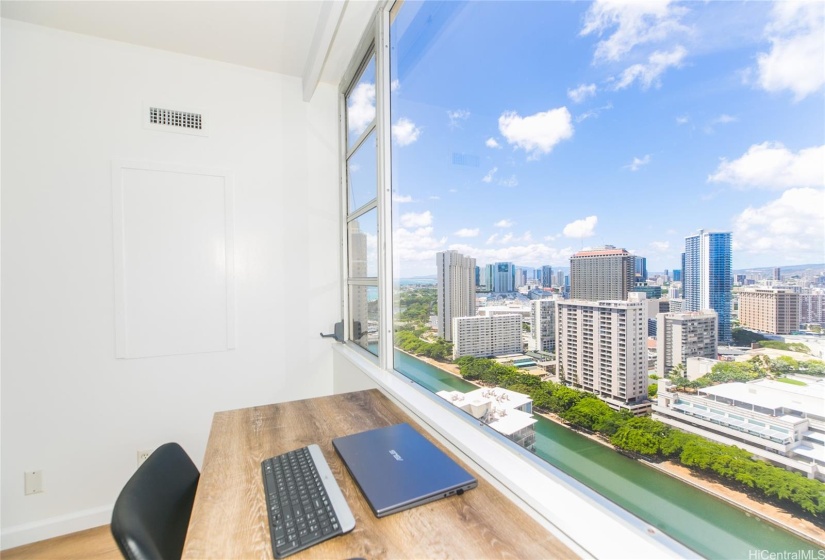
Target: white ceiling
311,39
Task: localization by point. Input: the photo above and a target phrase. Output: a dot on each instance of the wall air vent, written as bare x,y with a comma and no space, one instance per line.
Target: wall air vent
157,117
175,118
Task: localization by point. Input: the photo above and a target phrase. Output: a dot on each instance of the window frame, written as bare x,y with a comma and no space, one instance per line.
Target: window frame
553,498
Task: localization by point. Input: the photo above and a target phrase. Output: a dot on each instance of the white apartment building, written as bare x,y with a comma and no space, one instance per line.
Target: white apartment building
509,309
601,347
456,290
486,336
779,422
507,412
812,306
680,336
542,336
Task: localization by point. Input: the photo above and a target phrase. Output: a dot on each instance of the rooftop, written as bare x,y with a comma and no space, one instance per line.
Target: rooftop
498,405
809,399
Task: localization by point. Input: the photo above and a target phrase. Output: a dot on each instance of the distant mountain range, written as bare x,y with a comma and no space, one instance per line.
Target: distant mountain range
810,268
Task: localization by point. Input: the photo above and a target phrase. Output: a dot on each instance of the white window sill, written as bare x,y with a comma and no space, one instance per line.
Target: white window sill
585,521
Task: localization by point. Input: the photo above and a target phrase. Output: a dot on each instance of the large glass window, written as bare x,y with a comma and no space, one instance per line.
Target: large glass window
362,209
524,133
520,135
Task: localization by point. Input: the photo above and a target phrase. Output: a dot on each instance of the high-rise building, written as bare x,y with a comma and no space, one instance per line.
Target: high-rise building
546,276
677,275
812,306
770,310
680,336
707,281
502,277
777,273
542,325
456,290
640,268
521,276
606,273
359,296
601,347
560,278
482,337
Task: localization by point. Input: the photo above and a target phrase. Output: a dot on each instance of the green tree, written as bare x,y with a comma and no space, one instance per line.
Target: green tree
591,413
564,398
640,435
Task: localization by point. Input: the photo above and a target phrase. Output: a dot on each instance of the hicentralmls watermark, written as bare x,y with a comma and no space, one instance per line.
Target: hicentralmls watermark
809,554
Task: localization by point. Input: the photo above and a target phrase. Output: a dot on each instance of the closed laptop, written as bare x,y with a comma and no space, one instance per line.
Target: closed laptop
397,468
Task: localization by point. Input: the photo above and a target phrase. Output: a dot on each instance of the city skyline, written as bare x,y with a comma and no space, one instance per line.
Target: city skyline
633,125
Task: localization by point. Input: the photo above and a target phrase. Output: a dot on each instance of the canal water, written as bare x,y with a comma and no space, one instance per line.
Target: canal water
711,527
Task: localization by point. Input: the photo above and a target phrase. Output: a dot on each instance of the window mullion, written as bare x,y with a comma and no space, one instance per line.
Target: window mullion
384,147
360,140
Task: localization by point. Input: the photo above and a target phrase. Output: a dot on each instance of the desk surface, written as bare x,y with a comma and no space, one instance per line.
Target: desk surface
229,515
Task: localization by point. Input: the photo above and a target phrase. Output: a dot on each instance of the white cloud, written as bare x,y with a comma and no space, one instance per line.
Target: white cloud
648,74
536,134
457,116
797,36
510,182
593,113
659,246
581,93
635,22
489,177
404,132
467,232
682,120
771,165
491,143
361,107
505,223
401,198
413,220
721,119
414,249
510,237
395,85
638,163
581,228
724,119
788,229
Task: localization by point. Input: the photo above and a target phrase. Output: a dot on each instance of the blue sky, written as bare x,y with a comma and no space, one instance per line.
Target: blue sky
526,131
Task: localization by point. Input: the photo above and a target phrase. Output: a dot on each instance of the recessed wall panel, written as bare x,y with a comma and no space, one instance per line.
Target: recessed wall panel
174,278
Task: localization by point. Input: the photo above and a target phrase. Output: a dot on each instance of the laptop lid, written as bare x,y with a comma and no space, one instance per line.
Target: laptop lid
397,468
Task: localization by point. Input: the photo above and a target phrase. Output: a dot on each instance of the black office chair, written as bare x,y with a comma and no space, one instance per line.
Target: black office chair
152,512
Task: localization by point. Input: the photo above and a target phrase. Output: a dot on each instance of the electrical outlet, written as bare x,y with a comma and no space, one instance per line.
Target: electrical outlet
33,482
142,455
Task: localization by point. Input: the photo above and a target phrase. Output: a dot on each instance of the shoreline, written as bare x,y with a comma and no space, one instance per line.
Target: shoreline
798,526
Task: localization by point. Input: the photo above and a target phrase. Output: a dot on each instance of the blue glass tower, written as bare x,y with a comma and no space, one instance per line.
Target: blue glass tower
706,276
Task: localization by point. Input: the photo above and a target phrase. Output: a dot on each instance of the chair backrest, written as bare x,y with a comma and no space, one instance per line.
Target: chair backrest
152,512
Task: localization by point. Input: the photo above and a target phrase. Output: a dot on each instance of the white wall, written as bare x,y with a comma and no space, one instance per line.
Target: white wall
70,104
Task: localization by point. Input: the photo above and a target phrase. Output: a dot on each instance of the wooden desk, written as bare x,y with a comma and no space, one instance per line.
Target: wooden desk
229,515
